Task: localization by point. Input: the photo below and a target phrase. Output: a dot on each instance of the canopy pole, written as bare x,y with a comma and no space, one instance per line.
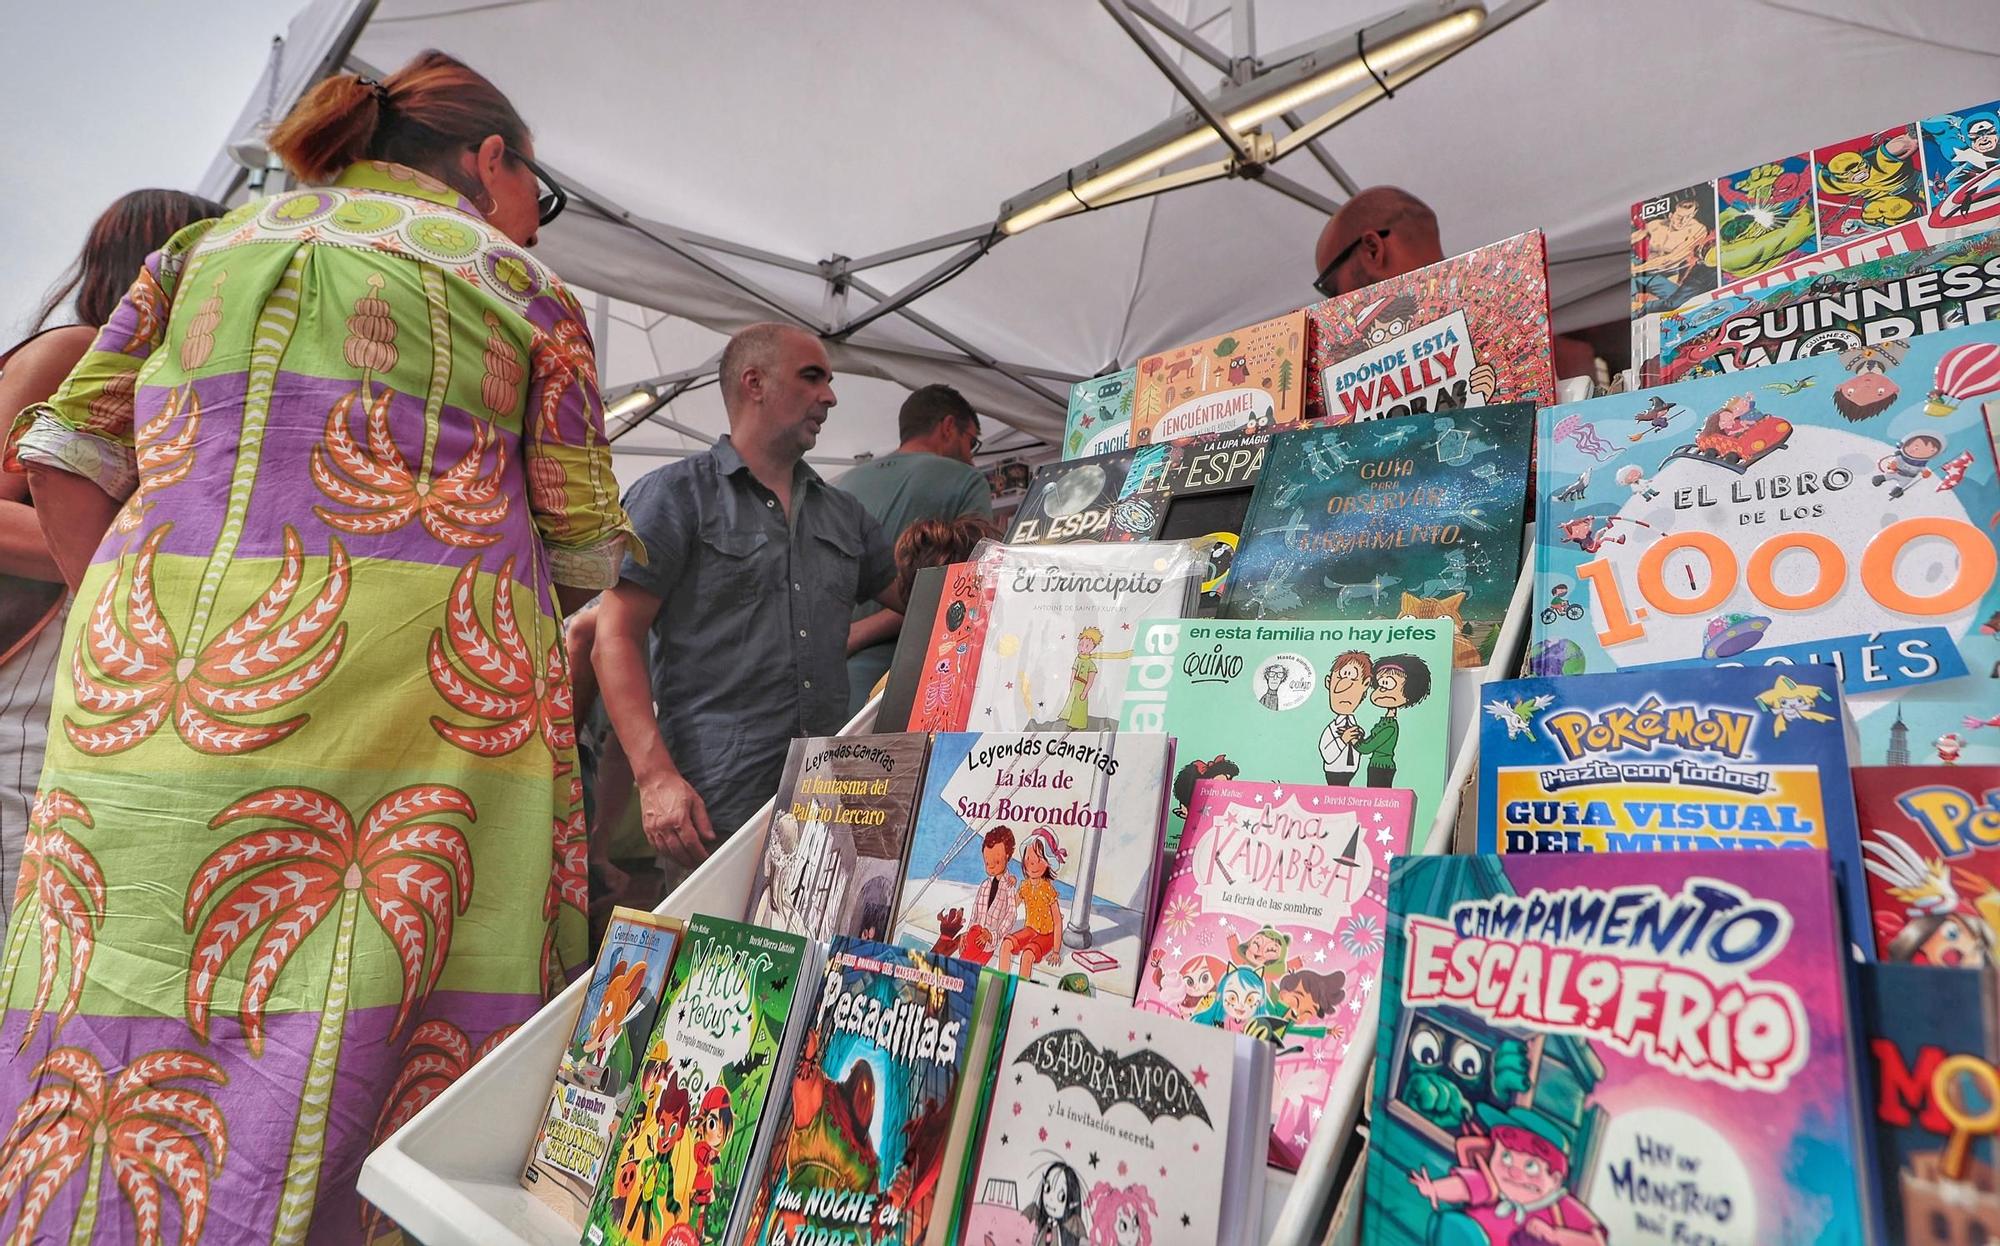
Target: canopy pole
1121,12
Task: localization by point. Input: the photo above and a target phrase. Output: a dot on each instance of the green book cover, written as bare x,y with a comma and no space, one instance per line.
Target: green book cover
1346,703
686,1139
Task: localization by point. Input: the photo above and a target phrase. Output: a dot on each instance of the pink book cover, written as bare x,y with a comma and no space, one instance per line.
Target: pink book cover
1271,924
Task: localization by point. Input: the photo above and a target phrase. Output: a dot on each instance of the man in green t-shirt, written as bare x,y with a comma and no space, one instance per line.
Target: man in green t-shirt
929,476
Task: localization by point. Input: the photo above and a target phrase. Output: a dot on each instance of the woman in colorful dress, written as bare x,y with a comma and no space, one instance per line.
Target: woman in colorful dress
308,839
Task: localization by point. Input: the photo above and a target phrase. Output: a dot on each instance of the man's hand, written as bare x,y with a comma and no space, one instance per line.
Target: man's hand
675,820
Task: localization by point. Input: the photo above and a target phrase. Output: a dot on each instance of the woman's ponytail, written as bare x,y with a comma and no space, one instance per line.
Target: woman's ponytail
331,127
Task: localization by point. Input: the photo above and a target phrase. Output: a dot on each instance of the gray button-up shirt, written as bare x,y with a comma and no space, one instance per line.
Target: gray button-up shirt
750,645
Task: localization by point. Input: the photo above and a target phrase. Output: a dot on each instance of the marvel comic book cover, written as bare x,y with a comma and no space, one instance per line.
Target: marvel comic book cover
1765,216
1836,509
1635,1049
1931,836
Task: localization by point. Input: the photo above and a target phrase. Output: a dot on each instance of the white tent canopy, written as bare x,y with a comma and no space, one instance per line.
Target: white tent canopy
811,131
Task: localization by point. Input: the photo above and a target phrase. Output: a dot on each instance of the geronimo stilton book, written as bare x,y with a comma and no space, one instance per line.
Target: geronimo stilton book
1931,838
1836,509
1357,704
686,1141
858,1155
1933,1038
1645,1049
1271,926
1671,761
1038,854
594,1080
1468,331
834,849
1114,1126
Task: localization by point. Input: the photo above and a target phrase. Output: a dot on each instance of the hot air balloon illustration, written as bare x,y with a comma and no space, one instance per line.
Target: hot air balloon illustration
1963,372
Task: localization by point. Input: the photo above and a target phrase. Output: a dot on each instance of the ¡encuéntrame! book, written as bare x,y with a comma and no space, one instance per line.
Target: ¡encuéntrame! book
1930,839
594,1079
1244,379
1640,1048
687,1138
1834,509
1100,415
1038,854
1417,517
1271,925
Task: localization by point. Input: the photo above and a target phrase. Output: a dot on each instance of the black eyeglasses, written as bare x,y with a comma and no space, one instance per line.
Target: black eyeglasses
553,199
1324,282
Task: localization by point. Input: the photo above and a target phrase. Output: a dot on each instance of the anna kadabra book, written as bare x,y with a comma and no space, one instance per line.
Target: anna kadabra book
1114,1126
1647,1049
1272,926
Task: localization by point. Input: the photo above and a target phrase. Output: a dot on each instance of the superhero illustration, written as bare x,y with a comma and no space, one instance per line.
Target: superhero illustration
1870,183
1673,249
1962,165
1765,217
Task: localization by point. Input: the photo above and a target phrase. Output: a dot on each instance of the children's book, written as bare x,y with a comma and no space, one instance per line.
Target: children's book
1357,704
1845,309
834,849
1038,854
858,1154
1061,625
1071,501
687,1139
1671,761
1246,379
1113,1126
1468,331
1933,1041
1645,1049
1930,839
1100,415
594,1082
1418,517
1271,926
1834,509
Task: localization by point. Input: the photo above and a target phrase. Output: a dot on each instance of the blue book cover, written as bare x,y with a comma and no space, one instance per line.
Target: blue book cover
1672,761
1838,508
1933,1038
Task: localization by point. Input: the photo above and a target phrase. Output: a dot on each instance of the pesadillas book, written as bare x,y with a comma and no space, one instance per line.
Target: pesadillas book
1834,509
1417,517
1060,627
1671,761
594,1081
1117,1127
731,1020
1247,379
1468,331
1100,415
1271,925
1644,1049
1933,1043
1930,838
1357,704
834,848
1038,854
857,1155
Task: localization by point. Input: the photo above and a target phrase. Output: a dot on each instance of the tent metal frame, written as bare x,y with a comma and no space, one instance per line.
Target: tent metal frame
1247,75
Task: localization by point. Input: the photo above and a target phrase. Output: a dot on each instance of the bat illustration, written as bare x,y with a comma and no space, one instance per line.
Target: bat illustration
1145,1079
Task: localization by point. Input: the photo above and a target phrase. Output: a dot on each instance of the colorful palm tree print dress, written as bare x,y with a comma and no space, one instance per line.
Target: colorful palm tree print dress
309,837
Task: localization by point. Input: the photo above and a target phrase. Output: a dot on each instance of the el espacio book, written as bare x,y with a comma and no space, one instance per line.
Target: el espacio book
1930,836
1038,854
834,848
1071,500
1271,925
1468,331
1663,761
1833,509
688,1138
1347,704
1416,517
1248,379
1100,415
1643,1049
1061,624
1118,1127
1194,489
857,1155
594,1081
1933,1040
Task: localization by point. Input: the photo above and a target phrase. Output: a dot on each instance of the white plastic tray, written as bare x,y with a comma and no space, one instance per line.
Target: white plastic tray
449,1176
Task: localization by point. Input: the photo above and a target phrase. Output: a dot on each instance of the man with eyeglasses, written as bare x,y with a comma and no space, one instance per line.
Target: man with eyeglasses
929,476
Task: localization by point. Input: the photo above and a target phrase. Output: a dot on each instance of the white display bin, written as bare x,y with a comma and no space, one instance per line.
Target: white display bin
449,1177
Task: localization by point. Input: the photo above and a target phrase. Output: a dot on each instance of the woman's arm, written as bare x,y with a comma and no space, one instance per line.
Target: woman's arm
33,375
86,512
